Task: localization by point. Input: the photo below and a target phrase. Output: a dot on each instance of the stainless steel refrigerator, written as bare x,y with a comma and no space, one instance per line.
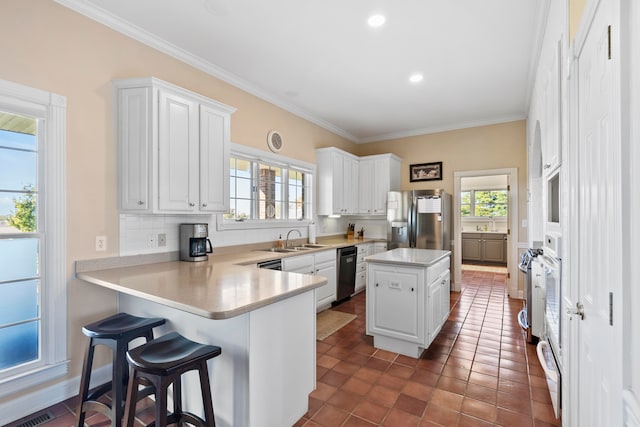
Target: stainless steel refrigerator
419,219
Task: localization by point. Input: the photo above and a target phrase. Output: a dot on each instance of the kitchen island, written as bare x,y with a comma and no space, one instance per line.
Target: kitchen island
264,320
407,298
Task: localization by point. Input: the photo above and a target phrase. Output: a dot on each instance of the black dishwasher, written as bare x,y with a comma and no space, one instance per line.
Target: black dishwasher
346,273
274,264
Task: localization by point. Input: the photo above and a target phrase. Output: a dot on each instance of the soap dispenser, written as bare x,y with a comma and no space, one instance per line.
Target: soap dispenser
280,243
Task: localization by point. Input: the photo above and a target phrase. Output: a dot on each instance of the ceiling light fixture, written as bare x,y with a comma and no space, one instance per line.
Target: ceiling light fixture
376,21
416,78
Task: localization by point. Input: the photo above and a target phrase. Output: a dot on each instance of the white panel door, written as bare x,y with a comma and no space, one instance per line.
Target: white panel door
365,200
134,127
177,154
381,172
396,302
599,217
214,161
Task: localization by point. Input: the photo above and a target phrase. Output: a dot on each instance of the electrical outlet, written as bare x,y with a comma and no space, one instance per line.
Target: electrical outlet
151,240
162,239
101,243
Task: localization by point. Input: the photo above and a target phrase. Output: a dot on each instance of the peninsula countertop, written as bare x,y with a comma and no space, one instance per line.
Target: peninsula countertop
208,289
409,256
227,285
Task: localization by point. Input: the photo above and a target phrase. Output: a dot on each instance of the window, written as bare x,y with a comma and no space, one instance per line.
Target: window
484,203
32,237
267,189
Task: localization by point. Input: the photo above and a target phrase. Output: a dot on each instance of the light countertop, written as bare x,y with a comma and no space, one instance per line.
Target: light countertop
409,256
227,285
483,232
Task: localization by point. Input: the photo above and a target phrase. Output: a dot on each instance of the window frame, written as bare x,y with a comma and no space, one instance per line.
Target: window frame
50,110
472,203
257,156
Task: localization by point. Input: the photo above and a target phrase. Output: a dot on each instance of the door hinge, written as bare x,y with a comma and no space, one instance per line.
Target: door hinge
508,187
508,275
609,41
610,308
508,231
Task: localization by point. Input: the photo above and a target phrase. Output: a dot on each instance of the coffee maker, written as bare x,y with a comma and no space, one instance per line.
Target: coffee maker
194,242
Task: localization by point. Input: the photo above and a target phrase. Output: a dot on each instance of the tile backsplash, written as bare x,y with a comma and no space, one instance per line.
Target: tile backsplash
139,233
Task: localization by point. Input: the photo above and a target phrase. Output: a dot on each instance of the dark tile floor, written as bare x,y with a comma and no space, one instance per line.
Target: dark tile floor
478,372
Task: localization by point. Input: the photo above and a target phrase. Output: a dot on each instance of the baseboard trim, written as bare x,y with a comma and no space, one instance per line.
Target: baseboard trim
29,403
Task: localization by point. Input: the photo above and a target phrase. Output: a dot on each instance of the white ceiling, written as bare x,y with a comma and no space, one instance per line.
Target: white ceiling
320,60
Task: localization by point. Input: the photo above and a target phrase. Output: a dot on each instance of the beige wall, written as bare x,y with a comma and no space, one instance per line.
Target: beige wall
576,8
50,47
486,147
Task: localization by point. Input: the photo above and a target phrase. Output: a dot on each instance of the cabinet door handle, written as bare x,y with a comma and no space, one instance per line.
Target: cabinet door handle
204,205
547,165
140,202
376,285
192,204
411,289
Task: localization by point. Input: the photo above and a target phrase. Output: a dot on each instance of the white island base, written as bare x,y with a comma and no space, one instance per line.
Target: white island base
267,367
399,346
407,298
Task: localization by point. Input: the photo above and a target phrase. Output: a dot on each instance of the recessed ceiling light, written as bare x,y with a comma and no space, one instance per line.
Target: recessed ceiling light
416,78
376,20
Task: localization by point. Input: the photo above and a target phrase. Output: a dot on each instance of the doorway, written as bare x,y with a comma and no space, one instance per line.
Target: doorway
485,207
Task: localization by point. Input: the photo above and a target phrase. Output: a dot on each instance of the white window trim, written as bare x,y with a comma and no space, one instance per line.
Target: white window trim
473,205
51,108
249,153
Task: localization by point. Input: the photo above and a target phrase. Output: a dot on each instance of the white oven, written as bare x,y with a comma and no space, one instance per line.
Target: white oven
550,348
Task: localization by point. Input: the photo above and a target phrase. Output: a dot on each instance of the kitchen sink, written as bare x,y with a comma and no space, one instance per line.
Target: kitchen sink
301,248
288,250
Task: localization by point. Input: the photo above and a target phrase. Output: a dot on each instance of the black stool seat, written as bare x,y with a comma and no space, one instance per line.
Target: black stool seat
115,332
121,325
162,362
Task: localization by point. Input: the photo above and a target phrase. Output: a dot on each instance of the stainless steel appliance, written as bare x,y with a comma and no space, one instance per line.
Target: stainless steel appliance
419,219
194,242
526,319
549,350
347,258
273,264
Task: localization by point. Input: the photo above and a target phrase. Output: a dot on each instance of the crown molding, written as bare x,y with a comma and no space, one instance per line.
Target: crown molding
110,20
446,128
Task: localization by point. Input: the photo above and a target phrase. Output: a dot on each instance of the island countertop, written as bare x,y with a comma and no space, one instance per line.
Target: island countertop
409,256
208,289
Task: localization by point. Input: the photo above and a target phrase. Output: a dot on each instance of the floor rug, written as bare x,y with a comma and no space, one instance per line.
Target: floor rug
329,321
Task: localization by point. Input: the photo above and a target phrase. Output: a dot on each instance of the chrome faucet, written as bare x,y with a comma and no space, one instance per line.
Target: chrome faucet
286,245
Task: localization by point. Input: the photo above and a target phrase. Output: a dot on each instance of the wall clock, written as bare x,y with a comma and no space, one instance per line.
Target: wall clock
274,141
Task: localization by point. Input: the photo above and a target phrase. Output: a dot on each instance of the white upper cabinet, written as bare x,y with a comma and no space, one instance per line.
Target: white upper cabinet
350,185
134,134
337,182
551,140
379,174
173,149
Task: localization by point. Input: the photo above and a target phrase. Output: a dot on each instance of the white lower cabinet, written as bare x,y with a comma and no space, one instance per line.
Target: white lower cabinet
439,297
395,302
406,305
379,247
364,249
321,264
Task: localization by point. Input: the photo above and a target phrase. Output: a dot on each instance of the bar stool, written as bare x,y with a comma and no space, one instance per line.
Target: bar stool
115,332
162,362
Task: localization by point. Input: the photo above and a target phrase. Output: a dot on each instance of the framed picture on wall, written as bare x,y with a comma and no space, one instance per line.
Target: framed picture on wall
425,172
